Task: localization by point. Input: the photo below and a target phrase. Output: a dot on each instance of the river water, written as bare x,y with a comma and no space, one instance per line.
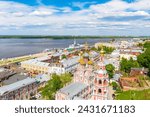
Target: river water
18,47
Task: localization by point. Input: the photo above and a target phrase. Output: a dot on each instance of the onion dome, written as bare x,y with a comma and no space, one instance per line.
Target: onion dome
102,52
86,55
101,73
81,61
90,62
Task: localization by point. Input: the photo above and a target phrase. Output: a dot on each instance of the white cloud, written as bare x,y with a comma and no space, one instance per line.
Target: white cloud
120,15
43,11
81,5
140,5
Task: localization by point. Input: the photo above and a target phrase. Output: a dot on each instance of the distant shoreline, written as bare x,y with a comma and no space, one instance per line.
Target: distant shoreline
65,37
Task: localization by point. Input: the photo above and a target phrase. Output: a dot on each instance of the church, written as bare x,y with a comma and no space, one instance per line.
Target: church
90,81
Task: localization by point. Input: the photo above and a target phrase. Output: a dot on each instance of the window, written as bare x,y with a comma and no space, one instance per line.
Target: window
95,81
100,82
99,91
105,82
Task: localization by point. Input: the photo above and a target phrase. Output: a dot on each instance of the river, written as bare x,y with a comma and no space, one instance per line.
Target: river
18,47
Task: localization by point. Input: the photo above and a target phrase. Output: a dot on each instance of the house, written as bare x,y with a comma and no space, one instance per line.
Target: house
138,71
130,83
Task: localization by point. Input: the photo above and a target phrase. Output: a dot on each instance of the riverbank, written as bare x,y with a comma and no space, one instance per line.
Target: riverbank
65,37
21,58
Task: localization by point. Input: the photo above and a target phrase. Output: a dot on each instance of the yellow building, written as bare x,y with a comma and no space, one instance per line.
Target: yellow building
34,66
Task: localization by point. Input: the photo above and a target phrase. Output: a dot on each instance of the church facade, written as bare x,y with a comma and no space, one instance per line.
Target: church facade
90,81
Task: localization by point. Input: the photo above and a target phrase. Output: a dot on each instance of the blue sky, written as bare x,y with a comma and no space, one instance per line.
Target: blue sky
58,3
75,17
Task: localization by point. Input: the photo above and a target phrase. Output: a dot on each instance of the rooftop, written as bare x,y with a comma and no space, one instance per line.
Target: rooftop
140,69
16,85
6,73
43,58
14,78
36,62
42,77
73,89
71,61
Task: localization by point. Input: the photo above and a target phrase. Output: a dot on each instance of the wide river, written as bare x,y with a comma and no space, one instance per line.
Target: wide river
18,47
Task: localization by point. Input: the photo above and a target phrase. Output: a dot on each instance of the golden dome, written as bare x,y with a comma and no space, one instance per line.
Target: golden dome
102,52
81,61
90,62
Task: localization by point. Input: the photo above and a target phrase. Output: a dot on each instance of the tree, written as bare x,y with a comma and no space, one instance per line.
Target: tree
48,92
126,65
110,70
63,56
65,78
144,59
94,49
146,44
57,83
114,85
108,50
53,85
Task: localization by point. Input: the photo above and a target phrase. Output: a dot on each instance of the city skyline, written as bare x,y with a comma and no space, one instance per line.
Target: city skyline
76,17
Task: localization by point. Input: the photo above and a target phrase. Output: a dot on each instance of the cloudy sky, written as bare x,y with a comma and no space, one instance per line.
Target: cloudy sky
75,17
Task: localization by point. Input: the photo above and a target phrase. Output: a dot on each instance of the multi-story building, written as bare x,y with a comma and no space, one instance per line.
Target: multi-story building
90,81
23,89
65,65
20,90
34,66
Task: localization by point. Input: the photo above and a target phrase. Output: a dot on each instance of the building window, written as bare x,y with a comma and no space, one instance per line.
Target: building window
100,82
99,91
95,81
105,82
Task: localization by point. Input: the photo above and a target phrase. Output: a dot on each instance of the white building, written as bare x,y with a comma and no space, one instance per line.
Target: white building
66,65
128,56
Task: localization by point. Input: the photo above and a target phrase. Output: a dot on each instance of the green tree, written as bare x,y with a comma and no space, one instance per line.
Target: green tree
110,70
126,65
144,59
53,85
108,50
66,78
57,83
146,44
94,49
114,85
63,56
